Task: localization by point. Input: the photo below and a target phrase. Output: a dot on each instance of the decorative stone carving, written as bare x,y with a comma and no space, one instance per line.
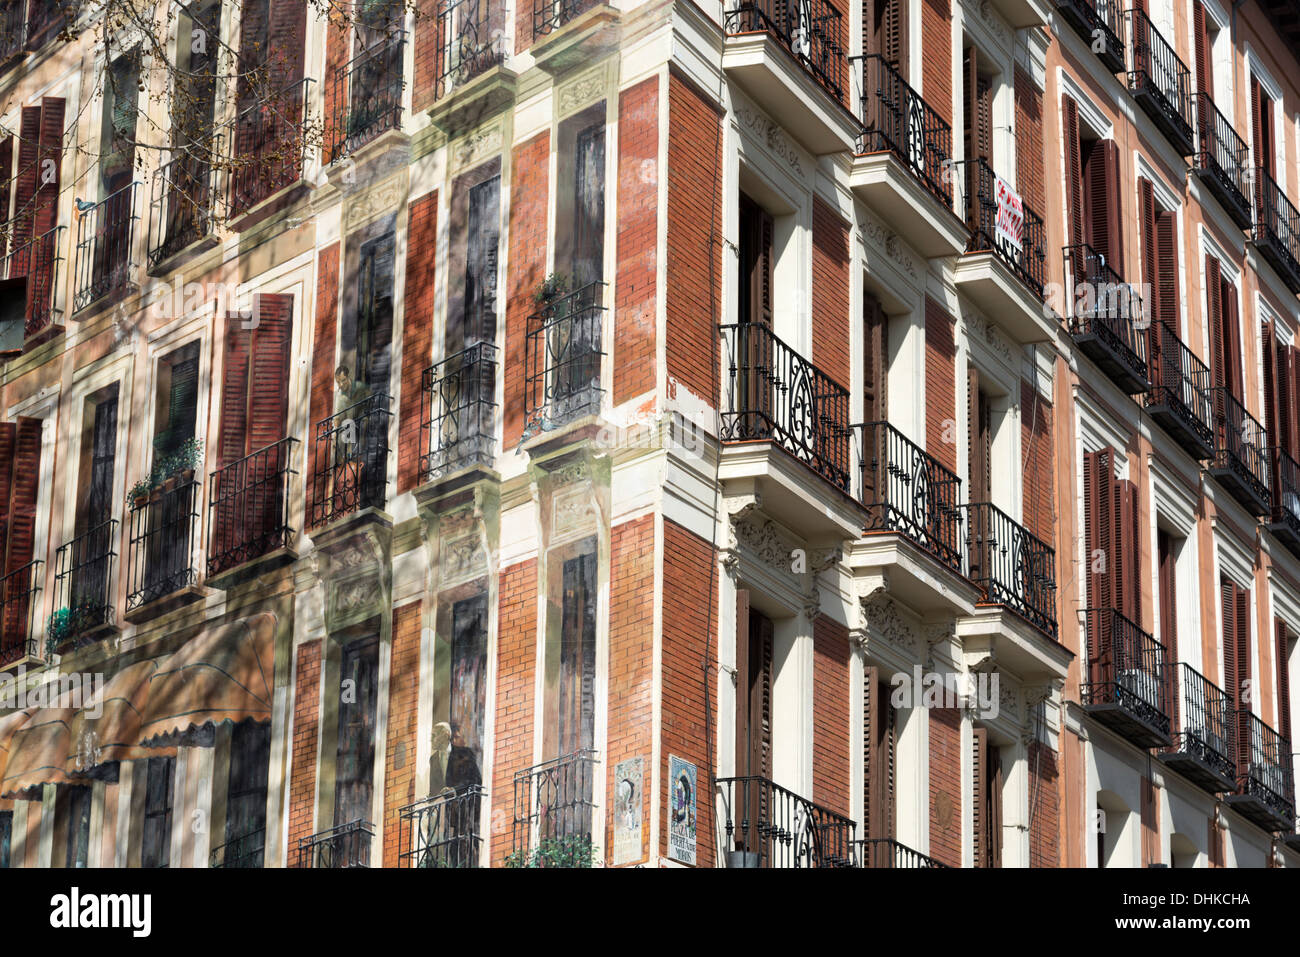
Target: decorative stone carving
475,146
770,135
580,92
886,242
883,619
766,543
384,198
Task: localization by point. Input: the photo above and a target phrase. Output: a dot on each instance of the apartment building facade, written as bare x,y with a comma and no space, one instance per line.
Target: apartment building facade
650,434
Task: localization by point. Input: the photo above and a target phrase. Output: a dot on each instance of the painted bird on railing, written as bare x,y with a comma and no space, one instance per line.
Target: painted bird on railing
85,205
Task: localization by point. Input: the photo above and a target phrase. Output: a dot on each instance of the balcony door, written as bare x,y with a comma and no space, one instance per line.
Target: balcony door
875,366
879,741
112,219
987,777
89,602
754,680
979,473
754,317
159,797
354,766
977,131
169,518
246,790
1236,609
469,390
566,796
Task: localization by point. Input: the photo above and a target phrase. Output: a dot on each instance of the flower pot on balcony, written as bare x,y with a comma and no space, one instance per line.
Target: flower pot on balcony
138,499
156,494
169,484
187,476
746,859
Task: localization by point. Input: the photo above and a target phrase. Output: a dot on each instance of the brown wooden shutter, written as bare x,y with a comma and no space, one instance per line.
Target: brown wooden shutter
228,530
1281,647
1104,223
268,404
1150,253
1245,676
1167,237
742,679
875,345
1228,616
6,176
1231,339
1073,171
1099,473
885,31
1216,844
978,130
878,755
986,769
286,38
51,152
29,147
20,527
1132,531
760,696
1150,813
1204,61
1284,383
1214,320
1168,583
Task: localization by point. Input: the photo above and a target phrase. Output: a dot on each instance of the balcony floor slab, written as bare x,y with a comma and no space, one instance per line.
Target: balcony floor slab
884,183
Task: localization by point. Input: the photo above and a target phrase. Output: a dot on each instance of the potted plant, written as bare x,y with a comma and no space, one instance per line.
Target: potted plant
58,631
188,459
139,493
551,288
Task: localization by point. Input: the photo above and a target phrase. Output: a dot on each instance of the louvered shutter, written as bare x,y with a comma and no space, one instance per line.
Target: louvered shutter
1204,63
6,176
1231,340
1268,347
1215,853
1281,646
975,476
51,157
1128,538
12,627
20,528
742,681
994,761
287,37
231,508
878,752
763,272
1287,396
1073,171
29,150
1168,582
1245,678
760,707
1150,259
1214,317
1228,617
875,346
885,31
986,770
268,404
1104,225
1149,812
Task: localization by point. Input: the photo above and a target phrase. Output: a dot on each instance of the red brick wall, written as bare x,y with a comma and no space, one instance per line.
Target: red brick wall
426,56
417,333
323,355
638,193
523,26
525,269
831,714
1036,449
403,714
338,47
631,651
516,667
940,384
1044,807
690,657
936,56
306,721
1029,142
691,299
945,785
830,293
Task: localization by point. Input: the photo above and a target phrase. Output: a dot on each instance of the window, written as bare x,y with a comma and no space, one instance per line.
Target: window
6,836
250,758
1281,362
468,693
582,144
176,400
1167,551
754,299
97,459
1204,33
156,838
1225,332
879,758
754,635
576,709
1159,266
355,762
1111,529
980,440
117,136
977,93
986,773
72,811
885,24
20,465
1092,190
1261,117
369,344
1236,611
1284,643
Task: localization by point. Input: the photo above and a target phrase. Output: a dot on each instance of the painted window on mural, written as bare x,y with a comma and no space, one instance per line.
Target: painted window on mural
250,759
156,839
355,764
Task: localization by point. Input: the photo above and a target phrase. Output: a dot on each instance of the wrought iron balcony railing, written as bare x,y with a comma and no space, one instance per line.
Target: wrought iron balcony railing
1028,260
1222,159
347,845
549,15
1240,452
351,471
248,507
1099,22
83,581
469,41
1286,498
181,206
874,852
553,808
1160,82
13,29
442,831
18,604
159,551
1124,684
457,420
765,825
562,358
812,31
367,96
37,262
1202,747
1108,318
270,138
104,236
45,18
1277,229
1011,566
246,852
1179,398
1265,780
774,394
905,489
896,119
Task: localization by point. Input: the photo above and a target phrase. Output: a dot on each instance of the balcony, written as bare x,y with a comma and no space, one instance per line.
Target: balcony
1179,399
1265,792
1022,13
270,137
1124,684
569,33
458,412
1160,82
347,845
351,471
247,852
161,572
913,531
18,603
553,812
783,418
248,510
29,281
1098,22
562,358
1202,748
180,208
105,233
1277,229
1005,266
1108,318
790,58
878,852
83,587
1222,160
13,31
1240,460
764,825
45,18
442,831
903,164
1285,518
1011,567
367,97
472,83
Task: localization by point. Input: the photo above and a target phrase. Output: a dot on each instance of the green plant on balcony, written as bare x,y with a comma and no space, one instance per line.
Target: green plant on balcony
58,630
139,493
551,288
570,850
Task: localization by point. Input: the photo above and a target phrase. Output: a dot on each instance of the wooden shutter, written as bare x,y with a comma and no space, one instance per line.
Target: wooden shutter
1073,171
1167,237
20,525
29,147
51,154
1204,60
1261,114
1150,252
986,771
1127,570
1105,229
1214,319
885,31
1285,384
1245,675
1228,616
875,356
978,468
1231,326
760,695
1150,815
268,404
1098,480
1280,655
1272,412
1168,582
742,681
287,38
878,756
6,176
1215,852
